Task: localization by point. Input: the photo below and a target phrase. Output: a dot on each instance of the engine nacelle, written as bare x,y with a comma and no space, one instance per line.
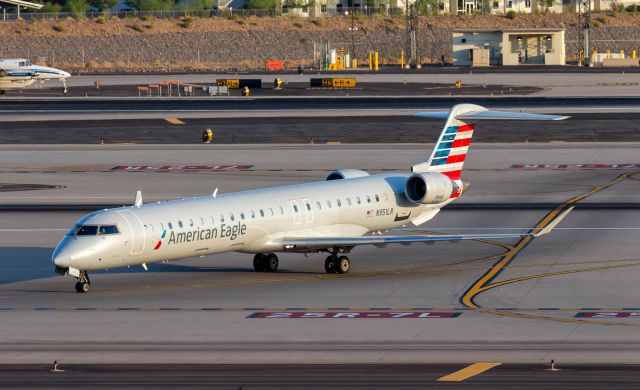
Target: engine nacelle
346,174
429,188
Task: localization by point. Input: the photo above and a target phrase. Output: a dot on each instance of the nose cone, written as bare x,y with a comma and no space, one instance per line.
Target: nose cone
62,255
64,74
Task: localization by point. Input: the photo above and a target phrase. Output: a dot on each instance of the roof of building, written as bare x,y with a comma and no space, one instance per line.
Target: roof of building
508,30
22,3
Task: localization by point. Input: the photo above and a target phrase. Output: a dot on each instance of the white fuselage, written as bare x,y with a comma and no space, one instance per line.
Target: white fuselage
20,73
250,221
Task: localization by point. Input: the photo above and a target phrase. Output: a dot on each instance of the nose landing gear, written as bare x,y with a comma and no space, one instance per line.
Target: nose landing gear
84,284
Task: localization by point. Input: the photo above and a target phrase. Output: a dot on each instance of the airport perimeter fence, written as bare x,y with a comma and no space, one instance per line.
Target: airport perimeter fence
182,13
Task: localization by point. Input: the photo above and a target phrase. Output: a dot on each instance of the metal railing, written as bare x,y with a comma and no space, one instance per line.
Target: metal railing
180,13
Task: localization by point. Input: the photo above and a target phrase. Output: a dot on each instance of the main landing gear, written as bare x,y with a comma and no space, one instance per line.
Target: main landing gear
265,262
337,264
84,284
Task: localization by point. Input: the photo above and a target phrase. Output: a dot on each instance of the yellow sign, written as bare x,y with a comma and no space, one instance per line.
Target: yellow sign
339,83
229,83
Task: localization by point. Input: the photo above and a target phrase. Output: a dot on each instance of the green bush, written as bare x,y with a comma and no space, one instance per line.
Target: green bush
151,5
317,22
103,5
50,8
511,14
59,27
76,8
297,24
261,4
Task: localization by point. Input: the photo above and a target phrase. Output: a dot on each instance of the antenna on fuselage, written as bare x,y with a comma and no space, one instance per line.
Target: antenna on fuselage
215,193
138,201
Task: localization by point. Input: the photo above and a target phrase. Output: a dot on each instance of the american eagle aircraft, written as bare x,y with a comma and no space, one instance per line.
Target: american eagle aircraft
331,216
19,73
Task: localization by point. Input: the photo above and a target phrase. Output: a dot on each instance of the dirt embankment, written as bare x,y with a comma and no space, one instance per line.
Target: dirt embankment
220,43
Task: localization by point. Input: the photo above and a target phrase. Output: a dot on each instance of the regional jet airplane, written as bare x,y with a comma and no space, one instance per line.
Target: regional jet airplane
332,216
19,73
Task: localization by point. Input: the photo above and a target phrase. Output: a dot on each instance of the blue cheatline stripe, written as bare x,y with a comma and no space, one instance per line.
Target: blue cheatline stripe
439,161
450,137
451,130
445,145
442,153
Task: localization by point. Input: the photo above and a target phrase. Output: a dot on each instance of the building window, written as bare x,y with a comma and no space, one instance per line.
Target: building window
510,4
496,5
527,3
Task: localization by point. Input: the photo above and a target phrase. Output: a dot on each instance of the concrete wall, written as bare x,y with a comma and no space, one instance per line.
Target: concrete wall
461,50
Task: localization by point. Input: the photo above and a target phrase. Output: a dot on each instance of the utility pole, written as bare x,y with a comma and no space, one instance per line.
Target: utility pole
412,29
584,24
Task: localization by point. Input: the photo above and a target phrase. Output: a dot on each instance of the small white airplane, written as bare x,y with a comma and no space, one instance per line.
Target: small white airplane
330,216
19,73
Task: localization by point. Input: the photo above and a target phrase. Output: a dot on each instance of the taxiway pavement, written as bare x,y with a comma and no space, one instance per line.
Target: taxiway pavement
568,296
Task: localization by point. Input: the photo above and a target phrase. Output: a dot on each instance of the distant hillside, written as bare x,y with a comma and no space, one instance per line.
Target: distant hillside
220,43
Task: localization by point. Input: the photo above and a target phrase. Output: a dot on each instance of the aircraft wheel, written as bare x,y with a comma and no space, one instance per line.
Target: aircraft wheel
258,262
65,91
2,92
271,263
330,265
343,266
82,287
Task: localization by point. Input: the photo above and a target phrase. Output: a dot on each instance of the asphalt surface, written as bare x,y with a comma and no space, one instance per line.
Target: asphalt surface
581,127
48,105
271,376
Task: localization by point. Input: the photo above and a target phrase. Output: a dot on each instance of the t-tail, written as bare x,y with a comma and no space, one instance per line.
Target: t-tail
451,150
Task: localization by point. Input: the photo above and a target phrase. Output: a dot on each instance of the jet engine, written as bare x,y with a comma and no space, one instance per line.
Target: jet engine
429,188
346,174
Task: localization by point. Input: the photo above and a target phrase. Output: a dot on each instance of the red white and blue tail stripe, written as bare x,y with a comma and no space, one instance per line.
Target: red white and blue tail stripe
450,153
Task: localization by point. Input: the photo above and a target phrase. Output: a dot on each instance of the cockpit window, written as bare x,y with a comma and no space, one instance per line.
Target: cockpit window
109,229
87,230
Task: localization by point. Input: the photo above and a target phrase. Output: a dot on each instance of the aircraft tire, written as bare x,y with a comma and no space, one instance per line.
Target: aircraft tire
271,262
330,265
82,287
259,262
343,265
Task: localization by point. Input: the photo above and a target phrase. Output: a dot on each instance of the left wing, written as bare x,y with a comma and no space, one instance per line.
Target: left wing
294,243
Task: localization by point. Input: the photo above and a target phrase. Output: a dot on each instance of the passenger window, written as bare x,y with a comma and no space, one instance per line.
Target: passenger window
281,211
349,201
87,231
319,205
180,224
190,222
213,221
328,204
368,199
271,212
377,198
295,208
338,203
161,226
261,212
201,221
221,218
253,215
170,226
308,206
358,201
385,197
231,217
241,215
110,229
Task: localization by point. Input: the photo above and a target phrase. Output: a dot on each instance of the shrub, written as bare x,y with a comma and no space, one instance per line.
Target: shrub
101,20
511,14
186,22
261,4
76,8
297,24
317,22
136,27
59,27
50,8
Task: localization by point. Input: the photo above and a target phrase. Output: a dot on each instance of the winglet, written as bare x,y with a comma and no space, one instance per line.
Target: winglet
547,229
215,193
138,201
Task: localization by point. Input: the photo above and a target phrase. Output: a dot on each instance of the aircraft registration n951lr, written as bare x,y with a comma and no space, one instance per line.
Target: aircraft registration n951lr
332,216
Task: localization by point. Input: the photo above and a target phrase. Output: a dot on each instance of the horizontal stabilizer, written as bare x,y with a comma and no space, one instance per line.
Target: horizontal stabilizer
493,115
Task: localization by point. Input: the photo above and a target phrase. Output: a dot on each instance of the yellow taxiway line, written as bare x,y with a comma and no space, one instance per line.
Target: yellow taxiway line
174,121
468,372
